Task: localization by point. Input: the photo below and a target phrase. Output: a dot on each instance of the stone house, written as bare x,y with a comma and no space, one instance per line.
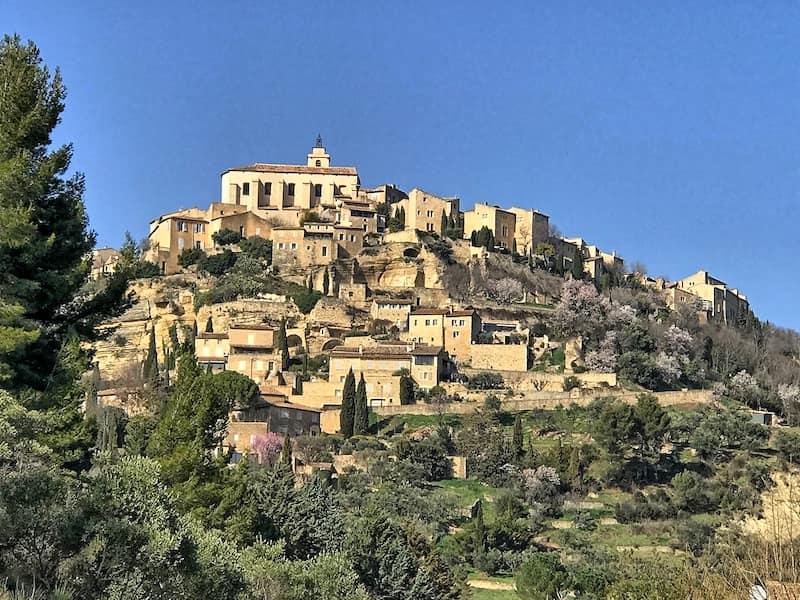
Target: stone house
104,263
531,229
273,416
173,232
722,303
501,223
212,350
314,244
424,210
394,310
455,330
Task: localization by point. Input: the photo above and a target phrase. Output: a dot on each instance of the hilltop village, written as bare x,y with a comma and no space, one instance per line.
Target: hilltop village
428,304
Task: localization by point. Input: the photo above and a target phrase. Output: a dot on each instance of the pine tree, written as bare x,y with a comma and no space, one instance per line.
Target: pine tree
361,413
210,325
150,368
517,440
347,412
286,452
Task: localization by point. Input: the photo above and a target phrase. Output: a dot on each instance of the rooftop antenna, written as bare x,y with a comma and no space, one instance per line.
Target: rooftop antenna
318,143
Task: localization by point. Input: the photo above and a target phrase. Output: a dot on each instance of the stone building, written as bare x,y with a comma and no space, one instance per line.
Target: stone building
455,330
501,223
104,263
273,416
531,228
283,193
314,244
253,352
173,232
393,310
722,303
424,210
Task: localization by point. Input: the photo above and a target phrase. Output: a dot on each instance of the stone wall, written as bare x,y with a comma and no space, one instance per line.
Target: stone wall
499,357
535,381
549,401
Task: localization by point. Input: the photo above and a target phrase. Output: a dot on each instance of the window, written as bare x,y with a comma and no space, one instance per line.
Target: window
341,237
427,322
461,322
198,245
317,190
241,231
284,413
425,375
181,225
318,163
198,228
267,188
245,189
456,334
180,243
429,213
291,189
324,251
280,245
294,246
424,360
352,238
341,378
436,321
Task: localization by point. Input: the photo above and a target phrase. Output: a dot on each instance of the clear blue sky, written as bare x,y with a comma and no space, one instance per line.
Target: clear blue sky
666,131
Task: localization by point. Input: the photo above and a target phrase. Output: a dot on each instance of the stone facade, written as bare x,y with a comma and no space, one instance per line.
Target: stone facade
424,210
501,223
455,330
531,229
490,357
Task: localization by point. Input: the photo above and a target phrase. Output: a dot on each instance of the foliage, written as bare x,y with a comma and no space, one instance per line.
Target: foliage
191,256
571,382
483,238
406,389
486,381
226,237
217,264
348,411
787,443
720,433
257,248
541,577
429,454
361,411
505,290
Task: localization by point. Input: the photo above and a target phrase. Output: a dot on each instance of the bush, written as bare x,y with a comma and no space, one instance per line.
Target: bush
305,299
571,382
258,248
217,264
486,381
492,402
226,237
541,577
787,443
190,256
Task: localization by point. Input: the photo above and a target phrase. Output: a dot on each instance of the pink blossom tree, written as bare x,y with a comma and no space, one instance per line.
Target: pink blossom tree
267,447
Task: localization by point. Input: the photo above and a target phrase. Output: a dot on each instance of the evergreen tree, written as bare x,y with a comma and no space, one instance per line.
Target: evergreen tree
286,452
443,224
150,368
348,410
210,325
325,282
478,531
282,344
574,470
577,265
517,439
361,413
406,390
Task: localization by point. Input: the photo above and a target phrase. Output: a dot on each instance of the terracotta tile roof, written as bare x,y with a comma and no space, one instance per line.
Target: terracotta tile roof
462,313
430,311
267,168
259,327
211,336
280,404
386,351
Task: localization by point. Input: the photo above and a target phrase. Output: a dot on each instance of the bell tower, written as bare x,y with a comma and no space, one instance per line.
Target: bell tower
318,156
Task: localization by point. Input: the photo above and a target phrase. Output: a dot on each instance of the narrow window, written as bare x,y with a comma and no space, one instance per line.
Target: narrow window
294,246
324,251
317,190
246,189
198,245
319,163
267,188
291,189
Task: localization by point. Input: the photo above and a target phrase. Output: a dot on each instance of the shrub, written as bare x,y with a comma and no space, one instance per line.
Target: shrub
226,237
305,299
217,264
492,402
787,443
258,248
571,382
486,381
190,256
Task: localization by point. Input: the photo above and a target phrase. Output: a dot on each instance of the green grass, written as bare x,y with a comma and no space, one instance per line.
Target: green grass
467,491
478,594
412,422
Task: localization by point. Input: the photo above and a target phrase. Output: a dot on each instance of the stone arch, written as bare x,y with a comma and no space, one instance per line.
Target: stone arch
331,344
411,252
293,341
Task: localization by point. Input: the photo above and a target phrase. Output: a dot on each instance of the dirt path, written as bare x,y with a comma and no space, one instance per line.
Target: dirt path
485,584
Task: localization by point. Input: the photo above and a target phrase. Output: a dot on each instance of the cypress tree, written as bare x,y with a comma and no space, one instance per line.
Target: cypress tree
325,282
444,223
361,413
282,344
577,265
347,413
517,440
479,532
406,390
574,469
286,452
209,325
150,369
